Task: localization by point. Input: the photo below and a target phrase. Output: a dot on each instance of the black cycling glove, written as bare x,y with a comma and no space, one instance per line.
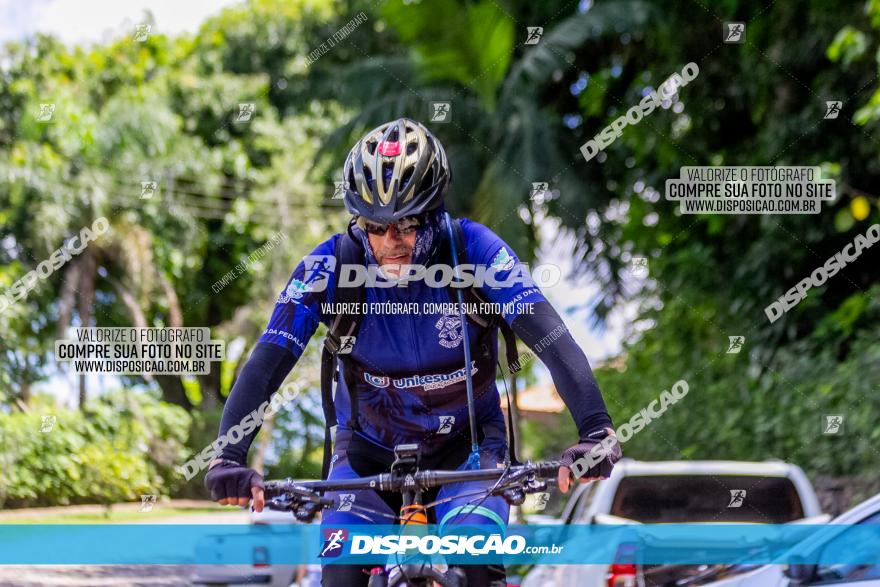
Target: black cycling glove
584,461
228,479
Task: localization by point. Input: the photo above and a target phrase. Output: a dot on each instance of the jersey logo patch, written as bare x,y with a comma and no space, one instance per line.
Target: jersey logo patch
450,331
296,290
503,261
376,380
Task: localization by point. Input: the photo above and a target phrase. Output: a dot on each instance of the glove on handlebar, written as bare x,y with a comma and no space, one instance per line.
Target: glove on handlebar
593,457
231,480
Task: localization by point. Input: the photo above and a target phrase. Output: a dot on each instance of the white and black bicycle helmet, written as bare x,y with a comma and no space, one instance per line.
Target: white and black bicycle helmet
396,170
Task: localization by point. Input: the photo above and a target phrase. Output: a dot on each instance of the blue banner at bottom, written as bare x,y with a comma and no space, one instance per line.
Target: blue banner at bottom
364,544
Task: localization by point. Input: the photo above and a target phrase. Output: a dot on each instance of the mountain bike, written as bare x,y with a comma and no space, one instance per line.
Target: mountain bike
306,498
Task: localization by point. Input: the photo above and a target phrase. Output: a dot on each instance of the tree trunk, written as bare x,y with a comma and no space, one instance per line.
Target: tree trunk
175,314
88,272
135,312
68,297
172,388
210,386
173,391
259,460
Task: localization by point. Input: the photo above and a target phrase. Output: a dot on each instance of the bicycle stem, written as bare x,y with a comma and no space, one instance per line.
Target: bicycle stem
474,458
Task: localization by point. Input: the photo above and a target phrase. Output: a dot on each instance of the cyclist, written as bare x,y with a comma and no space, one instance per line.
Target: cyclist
408,367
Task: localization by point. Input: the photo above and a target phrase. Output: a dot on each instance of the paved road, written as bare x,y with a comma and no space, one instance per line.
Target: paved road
116,575
95,575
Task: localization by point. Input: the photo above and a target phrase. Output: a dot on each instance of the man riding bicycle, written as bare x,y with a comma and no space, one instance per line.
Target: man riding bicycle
407,369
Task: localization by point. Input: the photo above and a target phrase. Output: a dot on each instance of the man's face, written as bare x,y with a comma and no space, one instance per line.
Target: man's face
393,249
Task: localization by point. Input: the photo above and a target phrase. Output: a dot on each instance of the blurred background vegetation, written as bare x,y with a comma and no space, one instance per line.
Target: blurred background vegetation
165,110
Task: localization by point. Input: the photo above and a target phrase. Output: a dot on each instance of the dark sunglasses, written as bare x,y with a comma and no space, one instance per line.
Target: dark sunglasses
403,226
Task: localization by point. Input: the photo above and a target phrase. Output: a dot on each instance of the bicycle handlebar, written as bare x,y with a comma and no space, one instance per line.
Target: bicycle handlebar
306,498
420,480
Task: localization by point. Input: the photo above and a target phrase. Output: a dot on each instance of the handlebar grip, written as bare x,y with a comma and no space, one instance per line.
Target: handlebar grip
548,469
270,488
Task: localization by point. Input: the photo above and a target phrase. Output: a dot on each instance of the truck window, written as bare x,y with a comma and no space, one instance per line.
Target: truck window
707,498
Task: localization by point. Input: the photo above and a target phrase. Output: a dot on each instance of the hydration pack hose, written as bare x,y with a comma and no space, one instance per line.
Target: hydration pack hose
473,461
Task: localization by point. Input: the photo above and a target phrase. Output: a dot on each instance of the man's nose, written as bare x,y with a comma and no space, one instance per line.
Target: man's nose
391,236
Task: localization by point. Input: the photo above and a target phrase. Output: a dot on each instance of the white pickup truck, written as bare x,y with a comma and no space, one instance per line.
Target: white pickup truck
677,492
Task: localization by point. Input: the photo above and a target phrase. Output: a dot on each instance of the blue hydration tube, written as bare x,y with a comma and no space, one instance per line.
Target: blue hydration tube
473,461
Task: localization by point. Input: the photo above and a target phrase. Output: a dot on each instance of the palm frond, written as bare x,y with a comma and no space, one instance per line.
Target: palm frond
552,52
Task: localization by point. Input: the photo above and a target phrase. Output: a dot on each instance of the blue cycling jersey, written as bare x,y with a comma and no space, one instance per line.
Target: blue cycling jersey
408,359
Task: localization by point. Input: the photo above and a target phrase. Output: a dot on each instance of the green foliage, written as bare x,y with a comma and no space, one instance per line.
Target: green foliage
123,446
474,53
760,403
849,45
166,110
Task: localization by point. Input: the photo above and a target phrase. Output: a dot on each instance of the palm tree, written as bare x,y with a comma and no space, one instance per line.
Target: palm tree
505,131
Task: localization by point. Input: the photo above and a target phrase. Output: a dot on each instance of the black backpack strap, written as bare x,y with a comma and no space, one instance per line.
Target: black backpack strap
473,296
348,251
327,364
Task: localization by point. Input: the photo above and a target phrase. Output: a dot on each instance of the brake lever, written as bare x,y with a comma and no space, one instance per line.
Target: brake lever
514,488
303,502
